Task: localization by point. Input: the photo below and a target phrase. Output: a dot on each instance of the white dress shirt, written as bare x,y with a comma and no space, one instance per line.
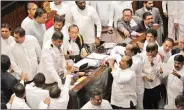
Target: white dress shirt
25,56
61,9
52,63
5,45
74,48
152,71
116,9
118,50
35,95
48,36
85,20
103,9
104,105
62,101
25,22
123,87
165,54
18,103
174,87
72,3
169,7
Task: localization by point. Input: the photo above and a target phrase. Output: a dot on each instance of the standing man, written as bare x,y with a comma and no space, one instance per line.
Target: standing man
60,7
170,10
124,84
25,54
31,9
103,10
180,16
6,38
52,63
59,25
175,81
85,17
37,26
151,75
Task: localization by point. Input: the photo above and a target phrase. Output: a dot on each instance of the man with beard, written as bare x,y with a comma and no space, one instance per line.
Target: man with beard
59,25
96,101
174,81
53,63
85,17
148,7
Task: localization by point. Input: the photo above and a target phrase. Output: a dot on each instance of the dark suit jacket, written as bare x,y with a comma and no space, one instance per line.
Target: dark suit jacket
80,42
155,12
8,81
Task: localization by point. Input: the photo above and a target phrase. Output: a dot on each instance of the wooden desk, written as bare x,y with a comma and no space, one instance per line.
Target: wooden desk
101,78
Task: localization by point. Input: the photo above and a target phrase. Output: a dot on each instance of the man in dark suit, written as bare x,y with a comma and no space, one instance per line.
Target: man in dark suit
148,7
128,23
8,81
147,22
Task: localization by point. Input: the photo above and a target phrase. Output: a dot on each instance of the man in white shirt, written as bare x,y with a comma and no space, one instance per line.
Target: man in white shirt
34,92
59,25
96,101
31,9
178,51
85,17
133,51
151,36
24,54
6,38
170,10
175,81
165,50
124,84
53,63
60,7
151,76
37,26
17,101
58,97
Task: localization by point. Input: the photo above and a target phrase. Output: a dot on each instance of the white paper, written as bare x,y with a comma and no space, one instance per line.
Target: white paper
109,45
97,56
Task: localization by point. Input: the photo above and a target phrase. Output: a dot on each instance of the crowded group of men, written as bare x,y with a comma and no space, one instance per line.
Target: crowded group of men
147,74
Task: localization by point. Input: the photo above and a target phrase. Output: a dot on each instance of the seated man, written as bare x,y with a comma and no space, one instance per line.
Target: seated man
179,102
96,101
58,97
76,44
128,23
